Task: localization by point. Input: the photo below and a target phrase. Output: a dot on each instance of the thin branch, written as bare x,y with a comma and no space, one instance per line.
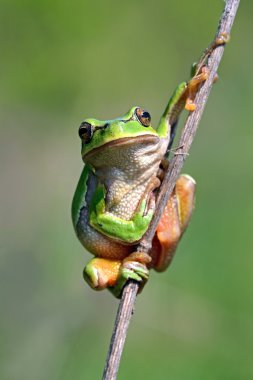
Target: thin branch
122,321
130,290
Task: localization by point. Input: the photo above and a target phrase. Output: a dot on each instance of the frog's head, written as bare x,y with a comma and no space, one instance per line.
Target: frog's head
134,126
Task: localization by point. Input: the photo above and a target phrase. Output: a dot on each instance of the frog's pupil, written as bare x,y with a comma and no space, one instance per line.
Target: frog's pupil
146,115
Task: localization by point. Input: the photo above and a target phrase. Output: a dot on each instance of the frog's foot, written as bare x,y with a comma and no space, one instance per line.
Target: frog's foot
193,86
101,273
134,267
173,222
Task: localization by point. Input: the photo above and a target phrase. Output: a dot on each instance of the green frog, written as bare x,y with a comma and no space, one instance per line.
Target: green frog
115,198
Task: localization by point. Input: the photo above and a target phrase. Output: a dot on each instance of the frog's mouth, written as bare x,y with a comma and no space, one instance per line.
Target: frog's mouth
124,141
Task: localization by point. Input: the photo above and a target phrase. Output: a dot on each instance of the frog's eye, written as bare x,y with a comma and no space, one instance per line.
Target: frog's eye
85,132
143,117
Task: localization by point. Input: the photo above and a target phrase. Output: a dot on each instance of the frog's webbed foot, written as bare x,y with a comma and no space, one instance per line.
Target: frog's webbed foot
134,267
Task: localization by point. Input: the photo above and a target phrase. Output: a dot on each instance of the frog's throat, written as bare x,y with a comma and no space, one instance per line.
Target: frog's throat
123,141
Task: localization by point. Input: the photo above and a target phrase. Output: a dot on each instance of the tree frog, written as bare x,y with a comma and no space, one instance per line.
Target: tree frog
116,194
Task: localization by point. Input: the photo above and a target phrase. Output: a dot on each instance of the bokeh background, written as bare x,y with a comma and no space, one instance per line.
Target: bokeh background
62,61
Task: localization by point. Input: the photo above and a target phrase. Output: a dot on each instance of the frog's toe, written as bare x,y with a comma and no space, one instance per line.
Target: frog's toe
90,275
135,271
130,270
101,273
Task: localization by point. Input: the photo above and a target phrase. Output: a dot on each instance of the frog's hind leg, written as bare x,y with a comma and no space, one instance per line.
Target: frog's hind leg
101,273
173,222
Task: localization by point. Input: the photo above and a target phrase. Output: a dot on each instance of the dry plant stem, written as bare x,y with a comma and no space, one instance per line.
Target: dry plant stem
122,320
130,291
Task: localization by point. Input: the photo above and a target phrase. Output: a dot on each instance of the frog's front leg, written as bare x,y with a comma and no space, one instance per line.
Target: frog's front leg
193,86
173,223
102,273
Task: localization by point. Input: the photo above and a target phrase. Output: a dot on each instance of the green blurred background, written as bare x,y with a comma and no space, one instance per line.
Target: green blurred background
62,61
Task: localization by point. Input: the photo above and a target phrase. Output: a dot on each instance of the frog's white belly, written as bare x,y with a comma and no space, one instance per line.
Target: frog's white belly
128,174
